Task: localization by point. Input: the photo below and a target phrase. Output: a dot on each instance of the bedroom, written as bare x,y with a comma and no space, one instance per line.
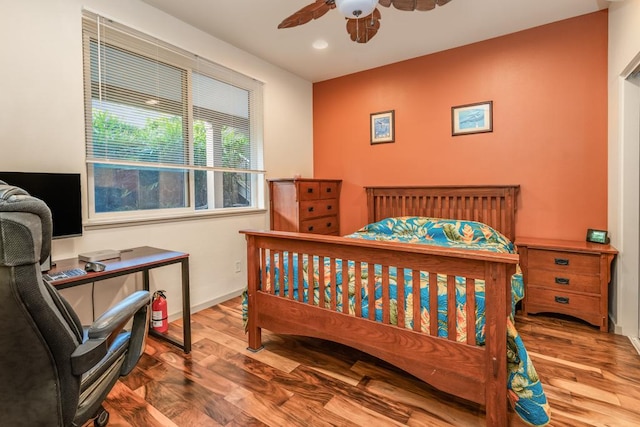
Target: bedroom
56,99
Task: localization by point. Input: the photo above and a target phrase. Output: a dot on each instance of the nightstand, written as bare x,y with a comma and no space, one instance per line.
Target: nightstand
567,277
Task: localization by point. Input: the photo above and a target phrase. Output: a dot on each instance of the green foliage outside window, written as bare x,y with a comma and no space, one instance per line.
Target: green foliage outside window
161,140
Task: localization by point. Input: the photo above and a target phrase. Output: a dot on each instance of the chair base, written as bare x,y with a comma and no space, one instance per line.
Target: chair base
102,418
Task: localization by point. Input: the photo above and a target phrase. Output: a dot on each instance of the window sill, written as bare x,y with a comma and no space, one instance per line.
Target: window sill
99,224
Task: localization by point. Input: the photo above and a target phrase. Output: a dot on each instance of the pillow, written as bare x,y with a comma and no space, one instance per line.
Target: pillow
437,231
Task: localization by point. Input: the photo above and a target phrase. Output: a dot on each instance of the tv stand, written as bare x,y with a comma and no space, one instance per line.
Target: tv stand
136,260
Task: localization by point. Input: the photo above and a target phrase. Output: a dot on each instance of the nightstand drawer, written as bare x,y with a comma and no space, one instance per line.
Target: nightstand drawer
326,225
316,208
561,302
564,281
587,264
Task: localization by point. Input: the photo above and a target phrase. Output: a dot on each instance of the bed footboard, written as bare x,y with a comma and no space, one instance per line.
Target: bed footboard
403,335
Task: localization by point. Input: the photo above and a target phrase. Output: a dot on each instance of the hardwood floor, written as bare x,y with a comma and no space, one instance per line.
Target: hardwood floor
591,379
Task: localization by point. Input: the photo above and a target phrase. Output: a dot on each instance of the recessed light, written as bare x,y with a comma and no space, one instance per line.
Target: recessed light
320,44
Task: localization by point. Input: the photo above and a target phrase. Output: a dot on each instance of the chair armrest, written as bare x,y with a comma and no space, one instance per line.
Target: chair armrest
118,315
103,330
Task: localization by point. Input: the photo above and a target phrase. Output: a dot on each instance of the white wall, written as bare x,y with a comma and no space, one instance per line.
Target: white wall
624,162
42,129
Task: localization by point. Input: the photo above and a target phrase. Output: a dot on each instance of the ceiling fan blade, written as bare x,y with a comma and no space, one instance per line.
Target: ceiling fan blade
423,5
420,5
407,5
362,30
311,11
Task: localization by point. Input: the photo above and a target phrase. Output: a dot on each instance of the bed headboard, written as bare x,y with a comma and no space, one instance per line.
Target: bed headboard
494,205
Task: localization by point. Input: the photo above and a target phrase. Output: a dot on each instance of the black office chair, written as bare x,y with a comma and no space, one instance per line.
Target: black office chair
54,371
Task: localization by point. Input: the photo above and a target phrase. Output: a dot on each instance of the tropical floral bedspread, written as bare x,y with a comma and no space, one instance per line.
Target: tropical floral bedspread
524,388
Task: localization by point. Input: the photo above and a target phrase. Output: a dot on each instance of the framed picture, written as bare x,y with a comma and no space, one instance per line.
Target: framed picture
472,118
382,127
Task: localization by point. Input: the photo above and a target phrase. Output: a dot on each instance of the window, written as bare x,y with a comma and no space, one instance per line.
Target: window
167,133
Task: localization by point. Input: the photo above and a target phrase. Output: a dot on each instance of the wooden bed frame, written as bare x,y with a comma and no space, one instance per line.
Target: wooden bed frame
464,369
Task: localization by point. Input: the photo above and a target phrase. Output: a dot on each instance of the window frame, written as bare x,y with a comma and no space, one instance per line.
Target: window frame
189,63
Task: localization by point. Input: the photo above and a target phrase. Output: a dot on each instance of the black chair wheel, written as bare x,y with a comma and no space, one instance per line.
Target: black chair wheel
102,419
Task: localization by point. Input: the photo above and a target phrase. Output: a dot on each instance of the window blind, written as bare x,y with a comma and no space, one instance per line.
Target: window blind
151,104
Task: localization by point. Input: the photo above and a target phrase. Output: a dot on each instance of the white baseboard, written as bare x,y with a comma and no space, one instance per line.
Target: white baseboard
207,304
636,343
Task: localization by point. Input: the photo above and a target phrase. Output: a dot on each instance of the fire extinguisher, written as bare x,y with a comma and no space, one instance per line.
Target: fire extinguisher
159,321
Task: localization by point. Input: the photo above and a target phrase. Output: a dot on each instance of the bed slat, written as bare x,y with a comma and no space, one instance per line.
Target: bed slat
371,290
433,304
292,284
334,285
300,278
322,286
415,289
358,288
451,309
345,287
280,283
471,311
401,298
272,274
386,309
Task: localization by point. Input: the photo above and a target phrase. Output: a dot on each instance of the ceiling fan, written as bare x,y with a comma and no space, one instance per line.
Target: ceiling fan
363,18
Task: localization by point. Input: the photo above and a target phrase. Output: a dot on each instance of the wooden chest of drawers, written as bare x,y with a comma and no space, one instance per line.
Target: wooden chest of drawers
305,205
567,277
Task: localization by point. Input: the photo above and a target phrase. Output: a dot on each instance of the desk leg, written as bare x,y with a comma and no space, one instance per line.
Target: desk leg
186,306
186,309
145,280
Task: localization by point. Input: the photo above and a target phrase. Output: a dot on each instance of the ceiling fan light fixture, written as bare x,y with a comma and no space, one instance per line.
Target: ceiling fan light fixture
320,44
354,9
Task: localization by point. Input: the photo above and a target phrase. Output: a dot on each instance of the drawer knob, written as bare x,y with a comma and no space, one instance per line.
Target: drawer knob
561,261
310,228
562,281
329,190
562,300
329,207
310,209
309,190
328,224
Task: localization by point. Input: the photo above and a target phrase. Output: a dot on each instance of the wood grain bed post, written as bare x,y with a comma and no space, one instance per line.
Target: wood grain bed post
370,205
496,278
253,282
511,205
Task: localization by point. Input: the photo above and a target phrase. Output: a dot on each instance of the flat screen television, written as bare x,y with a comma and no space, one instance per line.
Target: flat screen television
60,191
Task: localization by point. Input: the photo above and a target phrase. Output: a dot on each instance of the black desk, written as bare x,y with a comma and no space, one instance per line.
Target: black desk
136,260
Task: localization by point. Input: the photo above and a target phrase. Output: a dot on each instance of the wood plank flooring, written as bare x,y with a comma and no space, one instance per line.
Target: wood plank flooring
591,379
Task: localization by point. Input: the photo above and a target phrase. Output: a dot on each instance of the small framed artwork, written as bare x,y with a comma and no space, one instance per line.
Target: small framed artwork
472,118
382,127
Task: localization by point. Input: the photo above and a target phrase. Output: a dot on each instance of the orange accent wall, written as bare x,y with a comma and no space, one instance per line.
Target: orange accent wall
549,91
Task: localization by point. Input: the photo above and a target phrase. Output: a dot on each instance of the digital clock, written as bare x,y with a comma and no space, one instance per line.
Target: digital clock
597,236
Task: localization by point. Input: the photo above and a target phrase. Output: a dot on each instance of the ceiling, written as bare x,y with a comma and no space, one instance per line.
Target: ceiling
251,25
